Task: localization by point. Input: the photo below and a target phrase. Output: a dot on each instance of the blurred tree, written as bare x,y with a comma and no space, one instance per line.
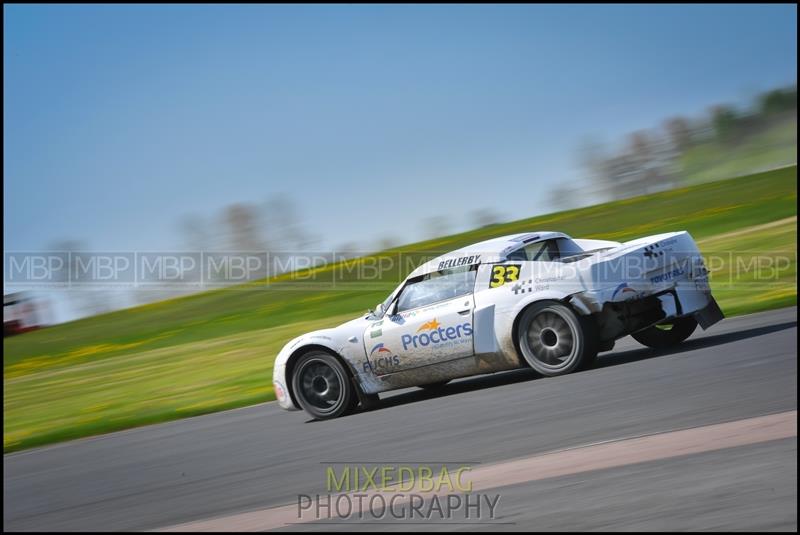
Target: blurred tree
435,226
85,297
73,271
285,227
639,145
563,197
592,155
196,235
651,161
595,159
725,122
347,250
680,132
243,227
778,101
387,242
483,217
640,150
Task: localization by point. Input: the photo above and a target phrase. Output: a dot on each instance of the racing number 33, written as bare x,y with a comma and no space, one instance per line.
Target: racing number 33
502,274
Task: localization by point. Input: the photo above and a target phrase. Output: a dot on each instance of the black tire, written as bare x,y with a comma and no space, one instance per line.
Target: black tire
322,386
553,340
666,334
433,387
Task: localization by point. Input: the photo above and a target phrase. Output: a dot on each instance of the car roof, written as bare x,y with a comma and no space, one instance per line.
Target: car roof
484,252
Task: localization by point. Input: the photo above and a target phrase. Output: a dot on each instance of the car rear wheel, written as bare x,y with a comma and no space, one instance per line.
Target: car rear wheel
322,386
553,340
666,334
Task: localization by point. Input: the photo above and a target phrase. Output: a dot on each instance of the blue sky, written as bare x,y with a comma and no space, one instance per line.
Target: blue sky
121,120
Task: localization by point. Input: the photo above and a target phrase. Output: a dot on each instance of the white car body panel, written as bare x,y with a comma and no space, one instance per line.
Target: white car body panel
473,334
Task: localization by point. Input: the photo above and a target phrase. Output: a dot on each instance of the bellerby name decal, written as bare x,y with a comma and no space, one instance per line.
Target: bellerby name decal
455,262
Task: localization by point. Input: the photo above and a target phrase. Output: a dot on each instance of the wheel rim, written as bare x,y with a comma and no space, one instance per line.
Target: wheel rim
551,339
320,385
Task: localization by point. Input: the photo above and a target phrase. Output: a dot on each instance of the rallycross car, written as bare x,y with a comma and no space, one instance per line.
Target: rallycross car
542,300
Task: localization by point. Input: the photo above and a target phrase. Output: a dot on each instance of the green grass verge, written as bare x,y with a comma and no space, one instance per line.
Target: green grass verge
214,350
754,269
52,404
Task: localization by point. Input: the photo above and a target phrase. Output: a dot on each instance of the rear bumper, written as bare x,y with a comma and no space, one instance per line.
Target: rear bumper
685,302
710,315
618,318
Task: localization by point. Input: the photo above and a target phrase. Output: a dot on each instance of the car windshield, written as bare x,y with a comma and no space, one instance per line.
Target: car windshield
385,304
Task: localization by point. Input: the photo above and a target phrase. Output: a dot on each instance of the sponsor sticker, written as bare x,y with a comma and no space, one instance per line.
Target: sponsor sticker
668,276
462,261
381,359
433,333
503,273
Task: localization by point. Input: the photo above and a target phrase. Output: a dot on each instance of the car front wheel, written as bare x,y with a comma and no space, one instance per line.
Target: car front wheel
322,386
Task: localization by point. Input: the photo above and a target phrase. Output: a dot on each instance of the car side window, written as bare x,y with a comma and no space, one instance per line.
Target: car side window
532,251
546,250
519,254
567,247
437,286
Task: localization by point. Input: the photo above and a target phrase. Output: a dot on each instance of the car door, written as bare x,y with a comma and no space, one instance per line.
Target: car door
430,323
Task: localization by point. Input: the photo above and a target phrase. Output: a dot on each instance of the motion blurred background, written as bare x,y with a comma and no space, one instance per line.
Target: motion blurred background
341,134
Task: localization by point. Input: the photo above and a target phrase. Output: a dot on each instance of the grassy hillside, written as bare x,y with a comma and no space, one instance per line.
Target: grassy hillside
765,148
214,350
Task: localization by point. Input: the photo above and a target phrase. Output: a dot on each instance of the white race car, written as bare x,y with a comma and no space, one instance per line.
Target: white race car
541,299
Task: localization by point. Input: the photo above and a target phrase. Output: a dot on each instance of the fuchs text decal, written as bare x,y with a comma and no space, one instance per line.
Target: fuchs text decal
381,359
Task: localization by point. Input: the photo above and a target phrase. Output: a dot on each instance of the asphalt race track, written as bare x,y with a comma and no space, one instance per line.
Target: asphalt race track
214,468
